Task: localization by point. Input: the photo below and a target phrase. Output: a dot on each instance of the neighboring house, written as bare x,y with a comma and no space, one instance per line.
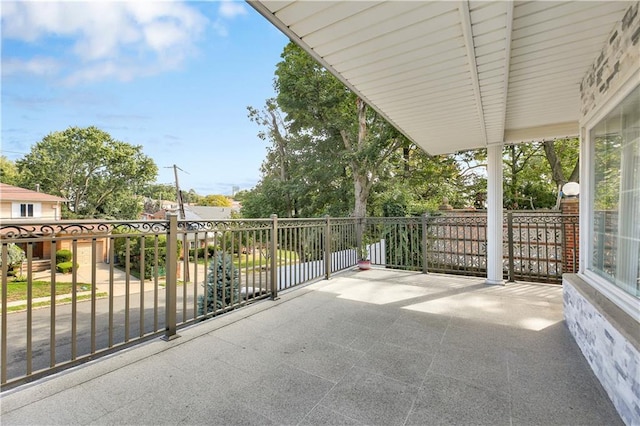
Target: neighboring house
204,214
19,204
207,213
194,214
23,205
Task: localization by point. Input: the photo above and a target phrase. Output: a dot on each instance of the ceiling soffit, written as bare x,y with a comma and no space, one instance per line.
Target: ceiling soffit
457,75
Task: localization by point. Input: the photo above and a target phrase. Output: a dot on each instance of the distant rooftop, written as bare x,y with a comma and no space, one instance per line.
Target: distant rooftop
15,193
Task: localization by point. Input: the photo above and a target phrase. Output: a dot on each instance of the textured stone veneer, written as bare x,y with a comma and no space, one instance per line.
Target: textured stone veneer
620,54
612,356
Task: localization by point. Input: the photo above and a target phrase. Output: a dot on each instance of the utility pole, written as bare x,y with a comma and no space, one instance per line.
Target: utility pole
183,216
179,193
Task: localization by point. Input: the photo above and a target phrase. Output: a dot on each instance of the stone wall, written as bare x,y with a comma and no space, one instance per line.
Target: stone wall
620,55
612,355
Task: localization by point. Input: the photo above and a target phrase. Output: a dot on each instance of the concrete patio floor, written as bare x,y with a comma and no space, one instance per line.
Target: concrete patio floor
376,347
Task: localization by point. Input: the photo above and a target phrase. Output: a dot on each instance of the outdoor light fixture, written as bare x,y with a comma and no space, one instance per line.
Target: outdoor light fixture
571,189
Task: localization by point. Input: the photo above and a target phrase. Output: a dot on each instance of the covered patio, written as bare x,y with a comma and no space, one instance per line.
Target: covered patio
376,347
390,347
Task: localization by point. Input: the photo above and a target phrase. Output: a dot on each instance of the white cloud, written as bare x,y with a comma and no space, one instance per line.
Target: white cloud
108,38
220,28
229,9
35,66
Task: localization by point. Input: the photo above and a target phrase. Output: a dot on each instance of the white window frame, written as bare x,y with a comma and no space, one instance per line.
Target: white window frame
16,210
624,300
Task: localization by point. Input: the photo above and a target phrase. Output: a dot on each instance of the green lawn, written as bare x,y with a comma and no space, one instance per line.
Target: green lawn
255,260
17,290
59,301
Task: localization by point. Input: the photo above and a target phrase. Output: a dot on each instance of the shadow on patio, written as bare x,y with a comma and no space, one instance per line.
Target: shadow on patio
377,347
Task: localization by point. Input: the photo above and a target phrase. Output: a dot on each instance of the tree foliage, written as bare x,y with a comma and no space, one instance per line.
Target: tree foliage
136,257
352,134
160,191
100,176
15,256
215,200
8,171
222,289
535,172
329,153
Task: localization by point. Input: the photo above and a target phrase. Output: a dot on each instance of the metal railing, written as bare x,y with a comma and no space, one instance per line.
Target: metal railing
538,246
131,281
136,280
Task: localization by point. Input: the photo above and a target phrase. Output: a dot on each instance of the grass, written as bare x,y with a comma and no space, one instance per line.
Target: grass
17,290
59,301
256,260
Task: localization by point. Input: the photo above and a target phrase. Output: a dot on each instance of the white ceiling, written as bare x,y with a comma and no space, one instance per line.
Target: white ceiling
456,75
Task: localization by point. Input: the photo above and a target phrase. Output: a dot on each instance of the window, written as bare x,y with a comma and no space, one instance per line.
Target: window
614,246
26,210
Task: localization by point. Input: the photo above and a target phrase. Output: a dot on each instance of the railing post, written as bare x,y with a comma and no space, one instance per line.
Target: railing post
274,257
327,248
510,246
172,279
425,241
4,255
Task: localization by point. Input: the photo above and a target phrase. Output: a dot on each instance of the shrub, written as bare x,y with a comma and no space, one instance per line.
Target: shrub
63,256
120,248
201,252
15,257
223,285
66,267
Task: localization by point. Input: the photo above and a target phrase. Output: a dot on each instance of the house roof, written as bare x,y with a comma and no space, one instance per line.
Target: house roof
457,75
15,193
207,213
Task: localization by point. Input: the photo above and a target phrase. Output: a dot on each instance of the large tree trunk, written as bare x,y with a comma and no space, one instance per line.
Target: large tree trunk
575,174
362,189
554,162
280,144
360,178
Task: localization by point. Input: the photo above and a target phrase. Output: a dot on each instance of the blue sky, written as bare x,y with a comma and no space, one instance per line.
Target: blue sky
174,77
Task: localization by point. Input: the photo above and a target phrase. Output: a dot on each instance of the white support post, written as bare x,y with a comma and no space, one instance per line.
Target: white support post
494,215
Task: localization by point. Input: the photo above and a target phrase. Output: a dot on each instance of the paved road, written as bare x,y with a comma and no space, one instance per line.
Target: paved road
17,328
125,310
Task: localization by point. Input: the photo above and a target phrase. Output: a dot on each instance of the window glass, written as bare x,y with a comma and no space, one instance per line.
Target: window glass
26,210
615,223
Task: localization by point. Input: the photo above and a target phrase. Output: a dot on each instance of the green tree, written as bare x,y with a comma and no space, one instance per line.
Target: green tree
190,197
319,105
135,250
301,176
100,176
535,172
279,156
155,193
160,191
15,257
8,171
417,182
264,200
222,289
215,200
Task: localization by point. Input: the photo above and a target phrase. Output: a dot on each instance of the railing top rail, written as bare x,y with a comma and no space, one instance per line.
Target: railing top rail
88,228
301,219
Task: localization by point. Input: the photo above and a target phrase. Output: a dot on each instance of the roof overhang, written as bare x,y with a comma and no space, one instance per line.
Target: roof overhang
456,75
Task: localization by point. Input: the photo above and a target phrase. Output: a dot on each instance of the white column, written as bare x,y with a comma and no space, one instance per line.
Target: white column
494,215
